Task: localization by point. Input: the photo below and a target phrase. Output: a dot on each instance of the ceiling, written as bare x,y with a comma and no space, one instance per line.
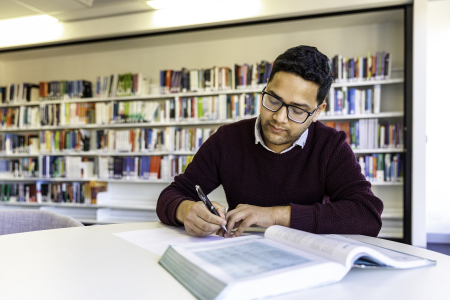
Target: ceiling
70,10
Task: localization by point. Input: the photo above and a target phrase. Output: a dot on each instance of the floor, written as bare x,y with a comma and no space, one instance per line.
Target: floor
441,248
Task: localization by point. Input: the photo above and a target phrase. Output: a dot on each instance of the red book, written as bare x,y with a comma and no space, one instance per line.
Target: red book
132,140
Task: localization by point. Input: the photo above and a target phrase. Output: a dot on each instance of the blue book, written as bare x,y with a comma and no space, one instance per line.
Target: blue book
368,101
367,171
352,101
336,101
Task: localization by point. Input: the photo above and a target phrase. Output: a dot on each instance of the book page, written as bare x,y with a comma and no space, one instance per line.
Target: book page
368,255
246,257
343,250
335,250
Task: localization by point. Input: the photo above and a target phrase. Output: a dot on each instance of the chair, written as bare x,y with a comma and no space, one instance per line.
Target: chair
24,220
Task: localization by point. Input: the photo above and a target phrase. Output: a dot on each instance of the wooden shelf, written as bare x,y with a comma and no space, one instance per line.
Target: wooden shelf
17,104
379,150
80,205
386,183
394,114
191,123
255,89
393,233
367,82
19,155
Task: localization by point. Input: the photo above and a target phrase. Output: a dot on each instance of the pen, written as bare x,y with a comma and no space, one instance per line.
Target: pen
208,203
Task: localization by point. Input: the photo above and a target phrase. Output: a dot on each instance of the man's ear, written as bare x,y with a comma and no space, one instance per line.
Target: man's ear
319,110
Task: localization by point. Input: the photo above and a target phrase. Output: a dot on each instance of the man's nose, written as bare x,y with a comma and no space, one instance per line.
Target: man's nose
281,115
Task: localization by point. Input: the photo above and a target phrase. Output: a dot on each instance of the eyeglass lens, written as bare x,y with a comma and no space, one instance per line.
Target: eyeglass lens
294,113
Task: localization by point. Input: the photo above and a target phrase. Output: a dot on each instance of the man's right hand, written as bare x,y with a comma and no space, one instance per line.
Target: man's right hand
198,220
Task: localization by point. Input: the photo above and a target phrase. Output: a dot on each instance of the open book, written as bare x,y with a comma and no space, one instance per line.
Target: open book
285,260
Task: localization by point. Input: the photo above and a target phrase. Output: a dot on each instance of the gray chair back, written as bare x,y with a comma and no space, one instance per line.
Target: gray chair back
24,220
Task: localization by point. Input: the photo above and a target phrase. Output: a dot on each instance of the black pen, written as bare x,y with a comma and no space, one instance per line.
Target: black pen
208,203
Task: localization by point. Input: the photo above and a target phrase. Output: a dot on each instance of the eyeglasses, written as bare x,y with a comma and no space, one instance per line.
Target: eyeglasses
294,113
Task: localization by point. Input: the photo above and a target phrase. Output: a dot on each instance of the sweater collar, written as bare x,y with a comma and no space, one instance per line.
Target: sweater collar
258,138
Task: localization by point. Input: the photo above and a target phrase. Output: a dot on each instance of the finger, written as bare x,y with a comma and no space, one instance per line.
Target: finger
220,209
239,208
209,217
206,227
235,218
191,231
244,225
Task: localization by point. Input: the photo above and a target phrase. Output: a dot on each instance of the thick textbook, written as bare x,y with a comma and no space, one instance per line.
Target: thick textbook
285,260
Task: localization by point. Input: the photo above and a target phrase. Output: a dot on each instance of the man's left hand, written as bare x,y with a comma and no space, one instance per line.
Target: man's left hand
244,216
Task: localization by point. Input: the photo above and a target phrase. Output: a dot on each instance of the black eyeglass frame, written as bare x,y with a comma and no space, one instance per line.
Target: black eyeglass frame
263,92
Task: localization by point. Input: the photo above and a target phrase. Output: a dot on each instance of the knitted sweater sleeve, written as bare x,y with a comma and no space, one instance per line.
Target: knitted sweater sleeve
353,208
202,171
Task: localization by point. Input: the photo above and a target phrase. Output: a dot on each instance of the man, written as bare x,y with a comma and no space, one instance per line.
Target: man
279,167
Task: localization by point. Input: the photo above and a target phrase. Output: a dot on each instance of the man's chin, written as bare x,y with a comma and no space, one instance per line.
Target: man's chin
278,142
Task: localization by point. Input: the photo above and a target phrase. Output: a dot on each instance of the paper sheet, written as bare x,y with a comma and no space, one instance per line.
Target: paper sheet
158,239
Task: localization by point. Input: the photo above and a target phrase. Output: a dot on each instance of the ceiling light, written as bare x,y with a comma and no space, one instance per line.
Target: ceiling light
26,22
161,4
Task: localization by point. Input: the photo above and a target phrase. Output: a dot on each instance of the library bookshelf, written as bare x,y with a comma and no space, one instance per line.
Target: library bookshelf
134,200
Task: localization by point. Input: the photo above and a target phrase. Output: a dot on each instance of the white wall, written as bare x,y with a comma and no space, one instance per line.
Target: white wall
438,108
219,12
2,73
206,48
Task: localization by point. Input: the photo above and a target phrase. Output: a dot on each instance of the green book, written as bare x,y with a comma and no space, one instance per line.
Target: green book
57,141
200,107
8,192
127,111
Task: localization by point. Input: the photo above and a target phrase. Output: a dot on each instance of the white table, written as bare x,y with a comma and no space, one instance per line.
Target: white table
92,263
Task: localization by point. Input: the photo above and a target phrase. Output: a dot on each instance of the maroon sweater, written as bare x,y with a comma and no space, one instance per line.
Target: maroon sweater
301,178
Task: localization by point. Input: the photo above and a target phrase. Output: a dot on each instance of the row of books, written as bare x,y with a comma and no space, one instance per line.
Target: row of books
64,141
148,140
370,134
74,167
41,192
19,117
382,167
252,75
220,107
67,114
183,81
18,192
146,167
65,89
122,85
126,111
19,144
354,101
214,79
376,66
19,93
68,167
135,140
19,168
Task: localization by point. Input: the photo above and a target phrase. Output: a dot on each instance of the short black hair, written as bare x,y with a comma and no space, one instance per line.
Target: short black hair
308,63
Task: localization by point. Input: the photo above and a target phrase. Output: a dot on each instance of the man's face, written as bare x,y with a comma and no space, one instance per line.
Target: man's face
279,133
